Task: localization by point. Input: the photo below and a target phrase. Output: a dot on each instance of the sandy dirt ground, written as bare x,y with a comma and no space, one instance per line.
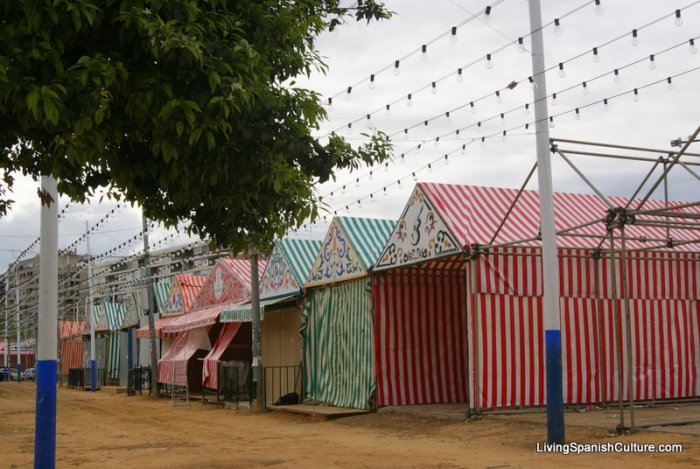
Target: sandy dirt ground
117,431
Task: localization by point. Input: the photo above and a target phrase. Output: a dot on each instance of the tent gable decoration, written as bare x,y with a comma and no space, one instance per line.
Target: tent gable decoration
419,235
225,284
182,293
349,249
288,266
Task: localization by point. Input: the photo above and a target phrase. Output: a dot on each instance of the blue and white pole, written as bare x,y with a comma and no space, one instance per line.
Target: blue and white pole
91,312
45,423
552,326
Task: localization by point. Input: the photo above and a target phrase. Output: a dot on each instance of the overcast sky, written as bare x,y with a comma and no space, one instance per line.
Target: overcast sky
358,50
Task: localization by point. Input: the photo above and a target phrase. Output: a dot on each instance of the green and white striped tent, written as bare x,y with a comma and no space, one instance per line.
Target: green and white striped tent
337,318
285,273
161,292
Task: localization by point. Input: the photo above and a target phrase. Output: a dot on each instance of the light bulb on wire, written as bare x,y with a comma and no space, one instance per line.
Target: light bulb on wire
557,27
371,82
533,85
521,45
464,148
460,77
669,84
397,69
424,52
487,15
635,96
551,122
693,47
448,119
578,115
499,100
586,91
348,93
635,38
652,62
598,8
409,100
562,72
472,107
489,62
387,112
679,19
453,35
526,110
617,78
605,104
504,136
433,88
596,57
554,99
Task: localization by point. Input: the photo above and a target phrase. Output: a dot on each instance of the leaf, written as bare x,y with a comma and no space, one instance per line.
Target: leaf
51,111
180,127
33,102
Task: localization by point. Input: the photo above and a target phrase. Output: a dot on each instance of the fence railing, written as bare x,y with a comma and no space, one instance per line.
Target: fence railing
282,381
236,382
139,380
80,378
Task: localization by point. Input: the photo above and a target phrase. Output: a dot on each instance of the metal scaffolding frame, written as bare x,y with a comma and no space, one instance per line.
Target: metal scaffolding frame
615,219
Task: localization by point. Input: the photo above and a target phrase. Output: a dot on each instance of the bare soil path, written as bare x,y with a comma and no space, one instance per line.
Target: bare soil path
116,431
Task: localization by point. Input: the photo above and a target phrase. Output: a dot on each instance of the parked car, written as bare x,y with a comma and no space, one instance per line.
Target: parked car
29,374
11,374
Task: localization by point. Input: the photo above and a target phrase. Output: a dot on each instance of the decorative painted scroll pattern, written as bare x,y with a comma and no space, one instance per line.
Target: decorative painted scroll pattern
278,278
419,235
174,305
336,260
222,286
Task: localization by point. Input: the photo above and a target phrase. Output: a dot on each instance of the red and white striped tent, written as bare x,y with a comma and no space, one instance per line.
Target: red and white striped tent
228,284
71,335
436,291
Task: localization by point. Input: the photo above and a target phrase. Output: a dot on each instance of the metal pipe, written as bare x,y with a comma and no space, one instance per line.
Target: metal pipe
644,181
550,272
91,313
622,147
255,314
628,326
617,157
598,312
154,392
652,211
618,337
47,340
585,179
668,168
685,166
512,205
670,214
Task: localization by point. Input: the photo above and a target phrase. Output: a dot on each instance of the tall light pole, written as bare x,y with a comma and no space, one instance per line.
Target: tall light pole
255,320
7,324
45,423
91,313
552,326
151,311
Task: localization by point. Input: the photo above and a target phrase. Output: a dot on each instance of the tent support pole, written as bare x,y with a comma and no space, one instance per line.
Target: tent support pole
602,371
477,345
618,338
512,204
668,168
628,327
600,195
621,147
685,165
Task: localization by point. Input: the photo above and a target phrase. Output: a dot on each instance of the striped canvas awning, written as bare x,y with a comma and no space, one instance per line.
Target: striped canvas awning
288,266
196,319
349,250
143,332
244,312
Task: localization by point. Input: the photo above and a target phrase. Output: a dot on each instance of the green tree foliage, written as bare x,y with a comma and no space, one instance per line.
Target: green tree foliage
186,107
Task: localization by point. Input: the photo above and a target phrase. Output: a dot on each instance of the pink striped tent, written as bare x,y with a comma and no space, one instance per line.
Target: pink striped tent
437,290
227,285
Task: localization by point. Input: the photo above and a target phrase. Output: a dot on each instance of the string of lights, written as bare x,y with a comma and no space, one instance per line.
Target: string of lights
576,111
559,66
